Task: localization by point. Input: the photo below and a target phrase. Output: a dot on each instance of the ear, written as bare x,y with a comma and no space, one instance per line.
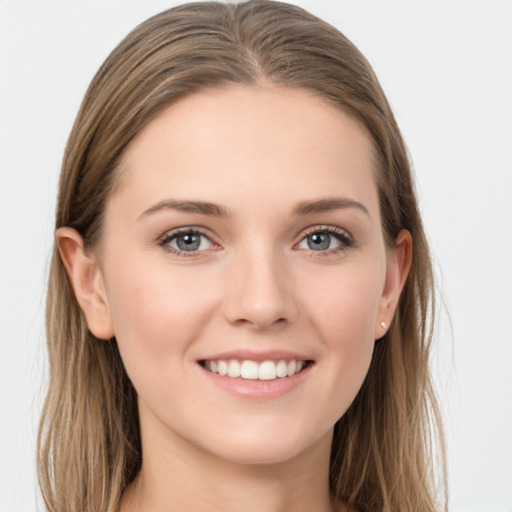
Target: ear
87,281
399,264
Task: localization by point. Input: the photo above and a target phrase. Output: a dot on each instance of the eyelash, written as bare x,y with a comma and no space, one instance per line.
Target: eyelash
166,239
342,236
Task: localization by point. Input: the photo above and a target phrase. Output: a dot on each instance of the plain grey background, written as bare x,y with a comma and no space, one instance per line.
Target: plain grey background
446,66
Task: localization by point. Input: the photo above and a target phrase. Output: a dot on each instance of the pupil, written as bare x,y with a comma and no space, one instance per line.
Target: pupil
189,242
319,241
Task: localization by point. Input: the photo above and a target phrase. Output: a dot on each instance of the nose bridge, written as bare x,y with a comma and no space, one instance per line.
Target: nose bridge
260,292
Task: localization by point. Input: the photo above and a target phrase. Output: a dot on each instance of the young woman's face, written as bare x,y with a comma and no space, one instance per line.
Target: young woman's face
245,236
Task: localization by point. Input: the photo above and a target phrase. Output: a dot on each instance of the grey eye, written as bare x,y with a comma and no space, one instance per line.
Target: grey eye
326,240
188,242
319,241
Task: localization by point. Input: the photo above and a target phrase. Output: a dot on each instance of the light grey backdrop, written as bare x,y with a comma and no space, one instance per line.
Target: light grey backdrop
446,66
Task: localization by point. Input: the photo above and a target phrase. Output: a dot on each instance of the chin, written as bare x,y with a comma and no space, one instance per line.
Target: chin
274,446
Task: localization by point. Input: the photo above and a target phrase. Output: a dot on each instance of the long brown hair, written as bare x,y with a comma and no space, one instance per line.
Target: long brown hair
382,457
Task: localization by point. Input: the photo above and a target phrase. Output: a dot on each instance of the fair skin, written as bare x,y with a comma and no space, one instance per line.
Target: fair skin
279,257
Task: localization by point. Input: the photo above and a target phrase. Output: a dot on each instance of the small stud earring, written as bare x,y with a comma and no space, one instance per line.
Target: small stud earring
383,325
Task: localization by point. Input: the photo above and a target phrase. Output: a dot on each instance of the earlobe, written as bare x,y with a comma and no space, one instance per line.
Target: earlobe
399,265
87,281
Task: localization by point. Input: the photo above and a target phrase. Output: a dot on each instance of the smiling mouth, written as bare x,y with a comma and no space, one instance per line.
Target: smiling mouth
253,370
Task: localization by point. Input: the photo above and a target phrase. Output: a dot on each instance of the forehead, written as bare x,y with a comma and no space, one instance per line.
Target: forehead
250,142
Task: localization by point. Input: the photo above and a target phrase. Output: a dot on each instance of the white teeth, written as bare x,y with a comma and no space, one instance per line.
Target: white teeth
282,369
223,367
266,370
249,370
233,368
292,365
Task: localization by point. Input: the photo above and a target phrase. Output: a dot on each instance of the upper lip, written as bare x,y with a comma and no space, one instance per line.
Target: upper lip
259,356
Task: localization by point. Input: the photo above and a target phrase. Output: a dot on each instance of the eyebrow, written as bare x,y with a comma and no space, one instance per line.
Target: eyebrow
328,205
215,210
202,207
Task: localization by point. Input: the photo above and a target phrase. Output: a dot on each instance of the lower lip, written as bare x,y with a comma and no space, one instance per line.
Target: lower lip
259,389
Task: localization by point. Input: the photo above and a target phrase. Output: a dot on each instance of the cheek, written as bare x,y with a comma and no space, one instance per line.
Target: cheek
346,311
345,317
156,315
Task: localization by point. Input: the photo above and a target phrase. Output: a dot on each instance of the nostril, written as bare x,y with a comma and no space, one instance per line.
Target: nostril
262,324
260,298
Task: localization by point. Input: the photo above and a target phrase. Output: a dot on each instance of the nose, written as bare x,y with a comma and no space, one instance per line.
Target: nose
260,292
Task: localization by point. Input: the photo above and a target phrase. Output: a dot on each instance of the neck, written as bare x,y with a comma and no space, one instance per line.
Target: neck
179,477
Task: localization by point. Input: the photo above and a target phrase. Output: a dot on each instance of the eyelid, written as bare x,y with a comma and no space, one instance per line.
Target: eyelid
345,238
329,228
163,240
325,228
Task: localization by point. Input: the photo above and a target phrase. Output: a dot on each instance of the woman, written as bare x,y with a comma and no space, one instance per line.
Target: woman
241,291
